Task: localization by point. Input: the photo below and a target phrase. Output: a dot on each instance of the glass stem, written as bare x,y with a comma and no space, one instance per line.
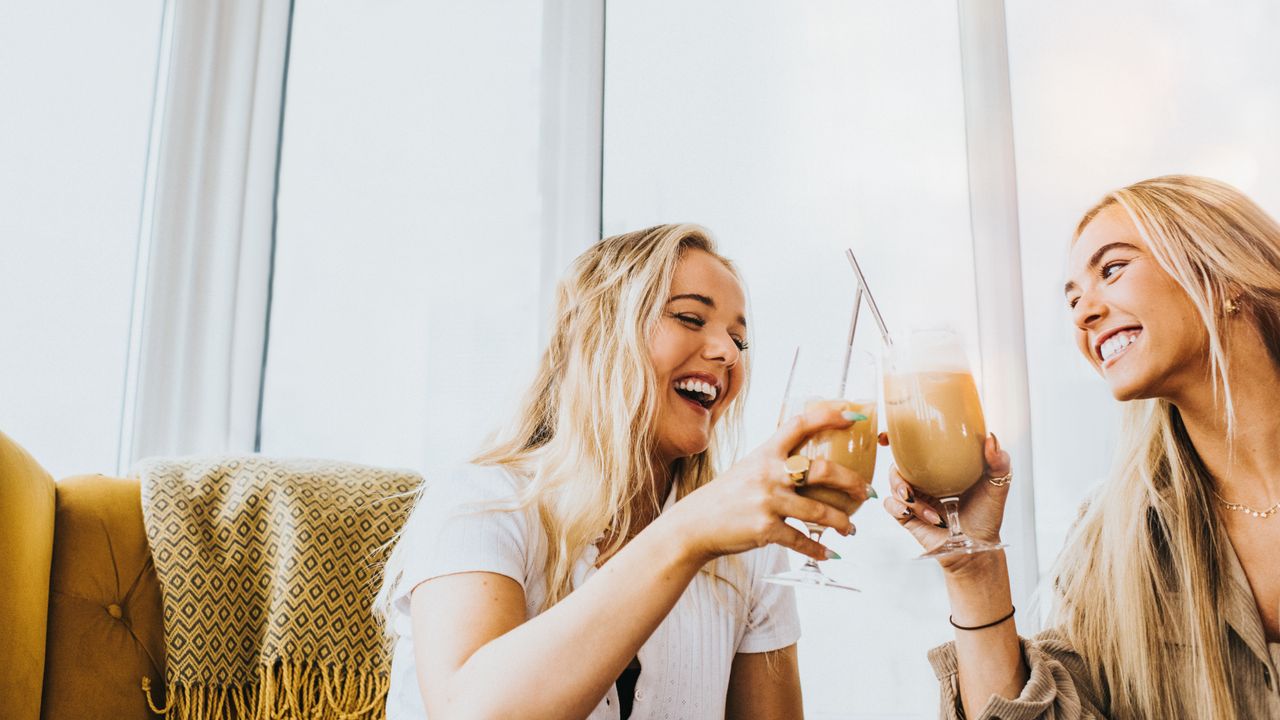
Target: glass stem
951,506
815,534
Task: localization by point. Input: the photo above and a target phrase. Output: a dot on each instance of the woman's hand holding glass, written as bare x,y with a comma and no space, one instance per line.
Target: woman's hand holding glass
981,505
747,506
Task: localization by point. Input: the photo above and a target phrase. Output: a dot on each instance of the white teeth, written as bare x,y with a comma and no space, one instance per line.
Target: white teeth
698,386
1118,342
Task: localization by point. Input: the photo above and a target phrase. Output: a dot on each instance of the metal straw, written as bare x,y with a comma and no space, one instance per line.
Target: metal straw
786,392
871,300
848,349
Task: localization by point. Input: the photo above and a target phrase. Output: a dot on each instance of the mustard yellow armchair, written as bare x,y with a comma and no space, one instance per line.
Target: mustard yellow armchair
80,611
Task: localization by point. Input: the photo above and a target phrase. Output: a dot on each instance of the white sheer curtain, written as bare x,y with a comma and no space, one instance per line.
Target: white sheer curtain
206,249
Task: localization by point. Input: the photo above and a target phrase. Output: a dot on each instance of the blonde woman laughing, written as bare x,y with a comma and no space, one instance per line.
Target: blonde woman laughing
592,562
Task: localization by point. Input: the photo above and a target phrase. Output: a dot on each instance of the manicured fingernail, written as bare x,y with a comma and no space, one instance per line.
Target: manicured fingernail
852,416
906,513
942,524
996,440
932,517
871,491
832,554
905,494
853,530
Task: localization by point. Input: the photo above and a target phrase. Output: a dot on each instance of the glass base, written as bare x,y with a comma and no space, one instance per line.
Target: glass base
961,546
808,578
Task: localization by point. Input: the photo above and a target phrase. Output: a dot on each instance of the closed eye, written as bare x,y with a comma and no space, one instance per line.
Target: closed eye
689,319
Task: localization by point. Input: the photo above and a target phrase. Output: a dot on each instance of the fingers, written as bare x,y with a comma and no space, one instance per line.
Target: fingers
789,537
906,502
925,533
998,462
835,475
819,417
807,510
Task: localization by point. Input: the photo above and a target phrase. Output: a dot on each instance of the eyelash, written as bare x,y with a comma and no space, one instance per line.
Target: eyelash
1102,273
700,323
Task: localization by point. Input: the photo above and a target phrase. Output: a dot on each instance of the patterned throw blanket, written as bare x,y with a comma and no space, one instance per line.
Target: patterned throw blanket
267,572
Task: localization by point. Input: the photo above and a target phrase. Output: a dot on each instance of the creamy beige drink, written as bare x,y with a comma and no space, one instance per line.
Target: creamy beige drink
853,447
936,429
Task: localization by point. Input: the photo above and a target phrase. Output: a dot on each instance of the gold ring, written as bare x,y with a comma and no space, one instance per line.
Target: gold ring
1002,480
797,467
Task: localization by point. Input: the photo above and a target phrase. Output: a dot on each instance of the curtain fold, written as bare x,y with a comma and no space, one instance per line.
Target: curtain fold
205,296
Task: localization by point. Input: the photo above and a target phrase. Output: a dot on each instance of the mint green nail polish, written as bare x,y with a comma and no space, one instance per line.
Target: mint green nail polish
852,416
871,492
832,554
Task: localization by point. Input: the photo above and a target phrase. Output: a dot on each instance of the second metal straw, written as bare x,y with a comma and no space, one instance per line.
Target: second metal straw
871,300
848,348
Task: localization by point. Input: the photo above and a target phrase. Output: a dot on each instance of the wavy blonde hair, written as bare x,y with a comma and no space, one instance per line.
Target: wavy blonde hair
584,435
1148,551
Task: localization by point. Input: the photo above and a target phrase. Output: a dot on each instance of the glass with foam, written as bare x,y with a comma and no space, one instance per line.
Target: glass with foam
936,426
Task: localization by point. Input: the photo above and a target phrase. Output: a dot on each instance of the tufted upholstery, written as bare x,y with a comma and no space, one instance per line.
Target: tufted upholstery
80,618
105,622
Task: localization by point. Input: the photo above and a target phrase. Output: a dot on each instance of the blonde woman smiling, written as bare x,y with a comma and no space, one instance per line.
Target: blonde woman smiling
1167,594
591,563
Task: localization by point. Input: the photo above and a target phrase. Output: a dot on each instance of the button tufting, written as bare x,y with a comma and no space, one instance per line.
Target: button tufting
114,611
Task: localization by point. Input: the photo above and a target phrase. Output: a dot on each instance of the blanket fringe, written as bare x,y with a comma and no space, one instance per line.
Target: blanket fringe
283,691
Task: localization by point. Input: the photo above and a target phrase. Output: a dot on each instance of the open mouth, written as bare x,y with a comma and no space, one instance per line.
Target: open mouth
698,390
1116,343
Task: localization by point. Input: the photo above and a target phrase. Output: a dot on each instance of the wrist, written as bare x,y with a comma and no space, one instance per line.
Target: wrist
979,569
680,534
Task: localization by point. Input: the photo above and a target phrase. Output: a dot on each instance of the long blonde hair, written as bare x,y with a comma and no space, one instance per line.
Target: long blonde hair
583,438
1148,552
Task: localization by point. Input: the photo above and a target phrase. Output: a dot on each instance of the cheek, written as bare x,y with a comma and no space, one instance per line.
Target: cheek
1085,349
664,351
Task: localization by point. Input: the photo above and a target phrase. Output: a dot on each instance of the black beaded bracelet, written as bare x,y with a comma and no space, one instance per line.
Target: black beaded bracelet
982,627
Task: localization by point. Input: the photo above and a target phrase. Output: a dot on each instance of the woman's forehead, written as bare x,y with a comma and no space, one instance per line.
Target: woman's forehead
699,270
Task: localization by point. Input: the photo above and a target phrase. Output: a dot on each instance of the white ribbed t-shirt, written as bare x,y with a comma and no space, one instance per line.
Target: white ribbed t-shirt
685,663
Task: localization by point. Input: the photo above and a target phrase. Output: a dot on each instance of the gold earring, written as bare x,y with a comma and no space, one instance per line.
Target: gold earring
1230,307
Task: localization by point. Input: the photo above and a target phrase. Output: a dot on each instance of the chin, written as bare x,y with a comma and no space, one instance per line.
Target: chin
687,446
1126,389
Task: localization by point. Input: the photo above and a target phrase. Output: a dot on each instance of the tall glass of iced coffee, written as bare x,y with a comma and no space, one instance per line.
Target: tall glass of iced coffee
936,427
821,378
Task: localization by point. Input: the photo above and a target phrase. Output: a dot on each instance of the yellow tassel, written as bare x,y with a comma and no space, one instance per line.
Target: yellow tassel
280,691
146,690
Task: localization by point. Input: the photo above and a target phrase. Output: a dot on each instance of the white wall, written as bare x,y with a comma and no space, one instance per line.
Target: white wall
406,302
77,80
793,131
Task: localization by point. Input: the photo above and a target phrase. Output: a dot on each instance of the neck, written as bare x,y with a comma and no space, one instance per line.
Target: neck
646,506
1246,466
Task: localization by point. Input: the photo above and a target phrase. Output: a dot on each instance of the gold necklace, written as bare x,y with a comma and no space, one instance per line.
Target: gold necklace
1237,507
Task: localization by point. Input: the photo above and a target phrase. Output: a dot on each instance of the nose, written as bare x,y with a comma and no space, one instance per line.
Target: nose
721,347
1089,310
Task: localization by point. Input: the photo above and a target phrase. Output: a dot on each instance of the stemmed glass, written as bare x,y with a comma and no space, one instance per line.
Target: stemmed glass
936,426
820,378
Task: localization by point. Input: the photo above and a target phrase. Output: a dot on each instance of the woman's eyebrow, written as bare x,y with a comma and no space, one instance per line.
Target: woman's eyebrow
1097,258
705,300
